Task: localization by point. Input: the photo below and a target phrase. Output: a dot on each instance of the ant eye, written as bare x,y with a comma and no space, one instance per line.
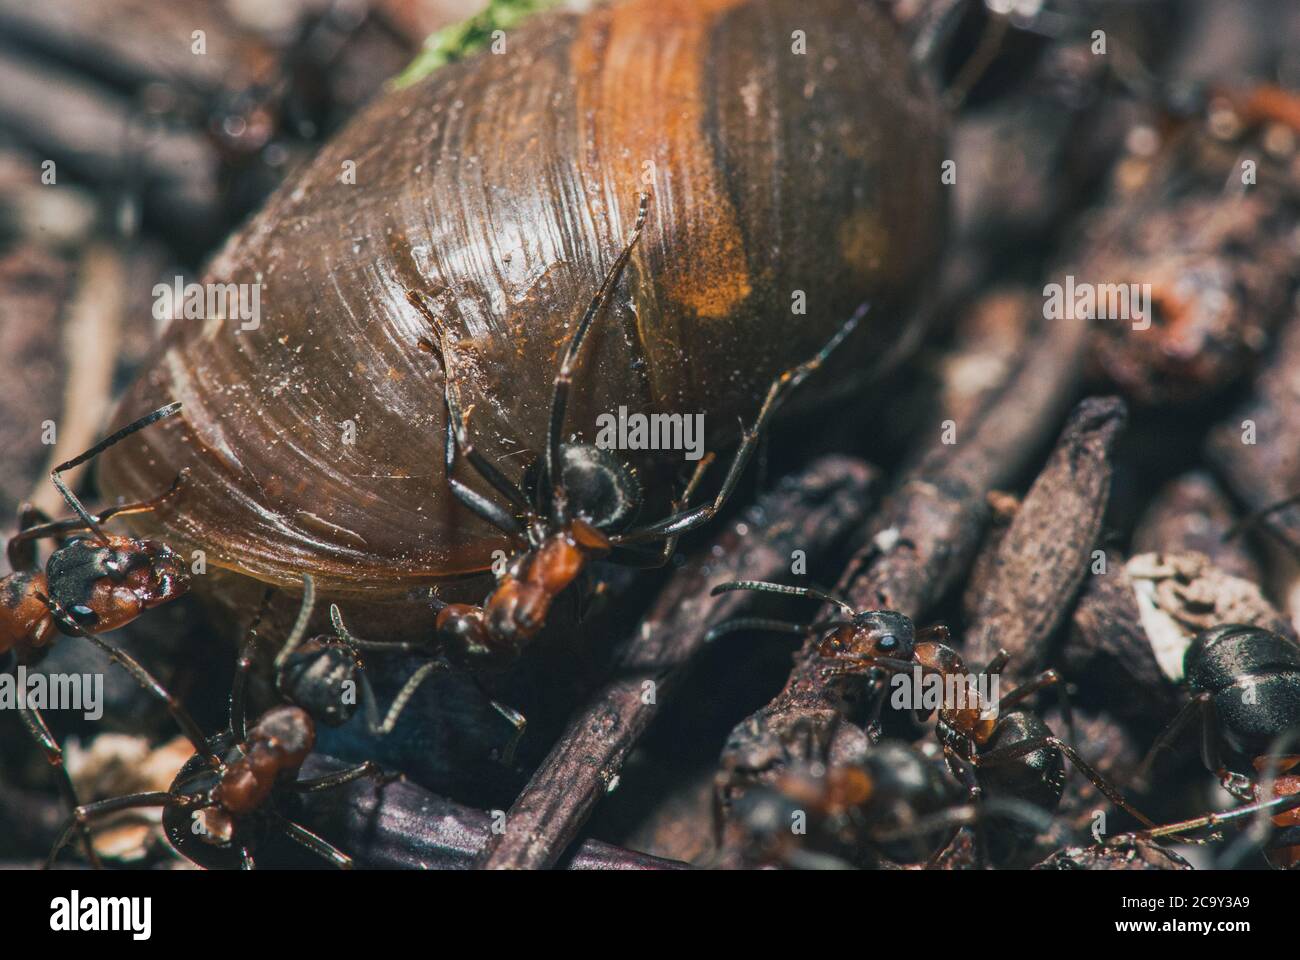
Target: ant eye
887,642
84,616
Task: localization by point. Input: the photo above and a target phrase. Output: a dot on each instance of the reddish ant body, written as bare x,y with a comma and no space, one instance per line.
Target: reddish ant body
894,803
582,504
1015,753
232,794
90,585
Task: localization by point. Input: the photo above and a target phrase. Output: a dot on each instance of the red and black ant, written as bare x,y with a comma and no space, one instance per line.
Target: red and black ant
1244,683
235,793
238,788
894,803
1015,754
582,503
90,585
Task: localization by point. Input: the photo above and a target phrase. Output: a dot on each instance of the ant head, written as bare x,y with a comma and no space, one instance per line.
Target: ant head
601,488
871,634
321,677
100,585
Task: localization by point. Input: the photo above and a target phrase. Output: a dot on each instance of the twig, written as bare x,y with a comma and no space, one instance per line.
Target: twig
399,825
90,344
1041,561
925,537
814,512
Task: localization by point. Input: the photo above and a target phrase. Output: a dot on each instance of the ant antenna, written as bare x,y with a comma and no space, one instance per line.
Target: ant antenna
90,521
762,586
300,625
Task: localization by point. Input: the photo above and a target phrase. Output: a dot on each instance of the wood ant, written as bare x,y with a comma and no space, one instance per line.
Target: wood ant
90,585
324,674
894,803
1244,683
1016,755
235,793
581,504
239,787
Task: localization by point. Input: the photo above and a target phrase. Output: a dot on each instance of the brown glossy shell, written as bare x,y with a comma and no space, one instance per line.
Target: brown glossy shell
503,187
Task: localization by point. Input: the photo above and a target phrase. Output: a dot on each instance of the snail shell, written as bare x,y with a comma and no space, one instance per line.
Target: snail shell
502,187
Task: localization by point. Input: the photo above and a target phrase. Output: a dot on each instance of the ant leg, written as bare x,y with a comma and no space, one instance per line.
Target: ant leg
88,521
1278,805
633,557
246,861
316,844
1015,751
481,506
21,548
145,679
456,422
458,442
685,520
1189,711
35,724
998,663
1236,784
564,376
244,666
339,778
513,716
1048,678
83,815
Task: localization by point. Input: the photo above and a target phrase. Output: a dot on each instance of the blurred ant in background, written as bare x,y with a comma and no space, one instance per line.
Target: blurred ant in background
91,584
894,803
993,753
1244,686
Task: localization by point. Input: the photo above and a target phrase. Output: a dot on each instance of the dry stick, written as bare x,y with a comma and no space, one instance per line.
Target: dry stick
814,512
1193,513
90,342
400,825
57,115
1039,564
926,535
1257,447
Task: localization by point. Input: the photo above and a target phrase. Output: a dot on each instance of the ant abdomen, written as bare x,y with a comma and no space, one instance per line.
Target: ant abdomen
1037,778
1253,677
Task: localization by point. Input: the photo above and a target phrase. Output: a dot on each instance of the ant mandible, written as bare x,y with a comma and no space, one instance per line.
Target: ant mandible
90,585
582,501
1017,754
